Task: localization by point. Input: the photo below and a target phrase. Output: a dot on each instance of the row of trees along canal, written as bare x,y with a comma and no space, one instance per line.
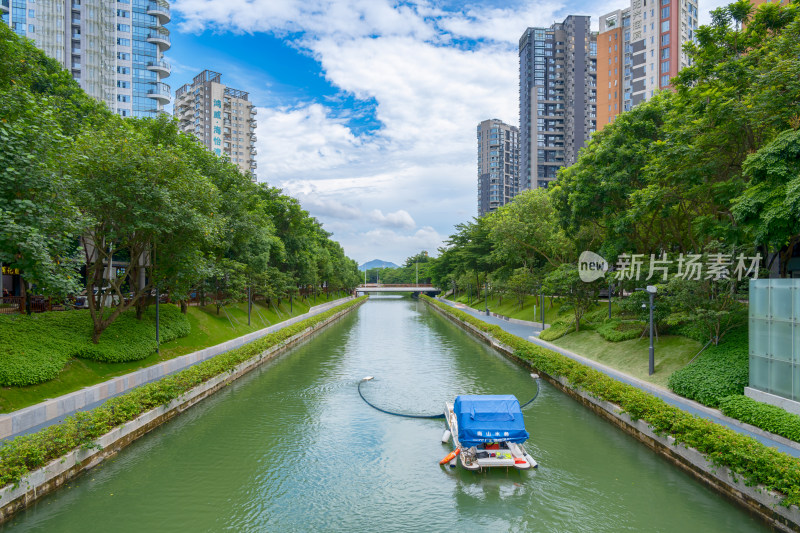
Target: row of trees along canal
712,166
80,186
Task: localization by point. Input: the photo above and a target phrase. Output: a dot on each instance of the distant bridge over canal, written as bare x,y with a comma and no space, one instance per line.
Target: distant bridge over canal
403,287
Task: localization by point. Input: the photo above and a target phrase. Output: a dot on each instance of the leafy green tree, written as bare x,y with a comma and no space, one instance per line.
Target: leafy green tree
578,295
528,229
141,201
38,218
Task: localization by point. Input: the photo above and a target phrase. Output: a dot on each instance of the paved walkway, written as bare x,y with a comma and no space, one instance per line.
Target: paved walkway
531,330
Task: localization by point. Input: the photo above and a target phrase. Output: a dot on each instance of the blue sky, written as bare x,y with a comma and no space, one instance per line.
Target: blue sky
367,108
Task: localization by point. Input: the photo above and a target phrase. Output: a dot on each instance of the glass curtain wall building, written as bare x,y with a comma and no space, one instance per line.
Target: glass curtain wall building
114,49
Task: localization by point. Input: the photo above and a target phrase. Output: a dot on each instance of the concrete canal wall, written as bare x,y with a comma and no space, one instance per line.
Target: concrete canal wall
47,479
757,499
42,414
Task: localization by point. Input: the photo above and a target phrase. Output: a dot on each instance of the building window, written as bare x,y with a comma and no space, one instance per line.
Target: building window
123,55
665,12
124,13
123,70
665,26
665,79
664,53
123,42
31,28
665,39
123,84
123,27
31,13
123,98
665,67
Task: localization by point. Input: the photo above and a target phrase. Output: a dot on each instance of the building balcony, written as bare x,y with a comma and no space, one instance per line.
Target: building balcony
162,68
253,151
253,123
253,165
4,6
159,37
159,10
160,92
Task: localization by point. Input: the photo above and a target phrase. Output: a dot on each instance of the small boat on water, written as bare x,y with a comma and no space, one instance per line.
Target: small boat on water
487,431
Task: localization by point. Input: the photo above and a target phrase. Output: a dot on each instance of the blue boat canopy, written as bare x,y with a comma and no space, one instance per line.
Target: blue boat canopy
489,418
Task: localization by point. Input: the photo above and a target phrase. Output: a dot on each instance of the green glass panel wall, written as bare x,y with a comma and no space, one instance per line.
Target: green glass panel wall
775,336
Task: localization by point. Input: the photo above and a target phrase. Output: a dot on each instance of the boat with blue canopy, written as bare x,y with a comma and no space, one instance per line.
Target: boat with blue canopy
487,431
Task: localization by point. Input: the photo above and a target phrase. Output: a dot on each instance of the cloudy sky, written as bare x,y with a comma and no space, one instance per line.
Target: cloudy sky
367,109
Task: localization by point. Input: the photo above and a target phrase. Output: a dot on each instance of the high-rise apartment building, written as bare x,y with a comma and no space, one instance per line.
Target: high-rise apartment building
639,50
498,164
557,83
221,117
114,49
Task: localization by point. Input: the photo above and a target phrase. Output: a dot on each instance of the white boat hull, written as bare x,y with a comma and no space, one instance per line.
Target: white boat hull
514,456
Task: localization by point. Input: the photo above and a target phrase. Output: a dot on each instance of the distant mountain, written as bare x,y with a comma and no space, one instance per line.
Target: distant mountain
377,263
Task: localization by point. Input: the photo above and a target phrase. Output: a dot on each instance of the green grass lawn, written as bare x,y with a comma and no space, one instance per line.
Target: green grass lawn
208,329
510,308
631,357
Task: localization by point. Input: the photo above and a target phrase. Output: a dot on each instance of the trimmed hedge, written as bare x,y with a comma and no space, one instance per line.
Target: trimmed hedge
722,370
35,348
618,331
722,446
769,417
26,453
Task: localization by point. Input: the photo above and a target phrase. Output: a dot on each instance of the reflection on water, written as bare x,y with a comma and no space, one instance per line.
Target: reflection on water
292,447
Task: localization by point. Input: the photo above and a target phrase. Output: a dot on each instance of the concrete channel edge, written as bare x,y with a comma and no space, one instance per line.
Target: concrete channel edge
757,499
47,479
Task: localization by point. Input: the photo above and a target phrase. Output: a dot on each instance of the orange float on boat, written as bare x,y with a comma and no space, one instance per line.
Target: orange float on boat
450,456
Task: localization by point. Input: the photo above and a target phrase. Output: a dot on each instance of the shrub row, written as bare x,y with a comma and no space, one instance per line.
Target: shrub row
557,329
616,330
722,446
29,452
35,348
722,370
768,417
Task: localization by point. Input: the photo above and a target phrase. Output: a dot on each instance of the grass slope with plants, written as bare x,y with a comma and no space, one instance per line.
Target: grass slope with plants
720,371
722,446
26,453
37,347
207,329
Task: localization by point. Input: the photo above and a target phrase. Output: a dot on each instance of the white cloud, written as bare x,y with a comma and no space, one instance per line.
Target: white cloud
398,219
305,137
400,189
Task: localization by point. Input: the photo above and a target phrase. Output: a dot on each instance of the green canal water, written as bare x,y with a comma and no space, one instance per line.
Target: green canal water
292,447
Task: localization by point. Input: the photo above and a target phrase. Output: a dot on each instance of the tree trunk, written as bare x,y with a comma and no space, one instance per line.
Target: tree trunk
184,306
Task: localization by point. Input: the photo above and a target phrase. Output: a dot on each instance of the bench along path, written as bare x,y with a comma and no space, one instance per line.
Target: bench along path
53,411
530,331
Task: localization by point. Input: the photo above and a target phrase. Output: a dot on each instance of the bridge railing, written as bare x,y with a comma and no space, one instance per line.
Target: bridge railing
398,285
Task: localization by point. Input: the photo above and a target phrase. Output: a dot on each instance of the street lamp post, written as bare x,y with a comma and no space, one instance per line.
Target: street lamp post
610,287
486,296
158,297
651,291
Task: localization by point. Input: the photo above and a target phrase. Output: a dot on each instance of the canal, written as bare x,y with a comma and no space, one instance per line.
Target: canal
292,447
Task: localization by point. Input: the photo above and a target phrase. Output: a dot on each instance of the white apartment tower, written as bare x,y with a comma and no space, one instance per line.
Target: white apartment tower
222,118
114,49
